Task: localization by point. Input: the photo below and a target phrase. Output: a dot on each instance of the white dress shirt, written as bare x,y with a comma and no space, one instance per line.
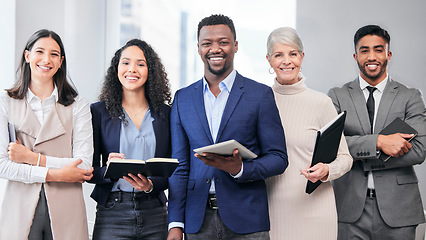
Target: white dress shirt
377,97
82,139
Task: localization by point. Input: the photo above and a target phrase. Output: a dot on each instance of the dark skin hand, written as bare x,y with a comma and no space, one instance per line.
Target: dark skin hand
230,164
175,234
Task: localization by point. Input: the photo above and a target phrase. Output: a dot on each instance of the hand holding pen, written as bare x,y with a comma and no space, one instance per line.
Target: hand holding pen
317,172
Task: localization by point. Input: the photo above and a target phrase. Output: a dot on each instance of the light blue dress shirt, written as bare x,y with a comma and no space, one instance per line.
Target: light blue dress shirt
136,144
215,106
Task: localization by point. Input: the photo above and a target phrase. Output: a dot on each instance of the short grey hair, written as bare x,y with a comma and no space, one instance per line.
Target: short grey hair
284,35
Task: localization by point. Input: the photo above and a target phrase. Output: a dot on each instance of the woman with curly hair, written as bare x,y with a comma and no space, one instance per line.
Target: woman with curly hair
131,121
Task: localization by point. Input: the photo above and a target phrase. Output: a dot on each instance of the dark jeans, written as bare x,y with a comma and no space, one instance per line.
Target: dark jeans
213,228
40,229
130,216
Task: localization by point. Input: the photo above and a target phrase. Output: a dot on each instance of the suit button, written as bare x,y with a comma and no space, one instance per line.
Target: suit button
208,180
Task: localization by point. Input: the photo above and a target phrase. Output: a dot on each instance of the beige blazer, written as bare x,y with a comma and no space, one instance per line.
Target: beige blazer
65,200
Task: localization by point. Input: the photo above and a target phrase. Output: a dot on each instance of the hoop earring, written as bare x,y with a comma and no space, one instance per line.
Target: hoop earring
270,70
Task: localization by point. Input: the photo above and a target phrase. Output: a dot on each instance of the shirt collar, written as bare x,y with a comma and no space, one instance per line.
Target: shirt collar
30,95
380,87
226,83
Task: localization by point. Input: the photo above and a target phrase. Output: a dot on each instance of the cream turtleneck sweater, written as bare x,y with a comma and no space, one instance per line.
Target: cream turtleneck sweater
293,213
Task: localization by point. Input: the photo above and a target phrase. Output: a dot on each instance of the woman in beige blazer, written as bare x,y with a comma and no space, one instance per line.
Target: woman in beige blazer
293,213
53,150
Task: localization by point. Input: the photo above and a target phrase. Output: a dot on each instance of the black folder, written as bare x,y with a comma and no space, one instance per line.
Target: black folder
326,145
397,126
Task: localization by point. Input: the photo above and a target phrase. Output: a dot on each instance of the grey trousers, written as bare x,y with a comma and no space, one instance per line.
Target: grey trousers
40,229
371,226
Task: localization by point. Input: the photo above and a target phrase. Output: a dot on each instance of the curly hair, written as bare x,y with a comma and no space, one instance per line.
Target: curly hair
157,86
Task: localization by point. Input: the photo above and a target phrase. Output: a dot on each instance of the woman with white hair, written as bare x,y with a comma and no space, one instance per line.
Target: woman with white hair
293,213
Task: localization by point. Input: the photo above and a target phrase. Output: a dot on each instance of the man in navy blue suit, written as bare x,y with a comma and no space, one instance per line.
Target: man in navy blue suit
213,196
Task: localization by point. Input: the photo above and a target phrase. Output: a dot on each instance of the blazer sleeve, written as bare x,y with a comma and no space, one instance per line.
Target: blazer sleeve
415,116
356,143
179,180
273,158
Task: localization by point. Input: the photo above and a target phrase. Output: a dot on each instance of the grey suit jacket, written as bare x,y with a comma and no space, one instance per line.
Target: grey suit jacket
396,183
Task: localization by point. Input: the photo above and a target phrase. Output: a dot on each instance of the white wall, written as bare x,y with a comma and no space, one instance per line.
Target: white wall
7,27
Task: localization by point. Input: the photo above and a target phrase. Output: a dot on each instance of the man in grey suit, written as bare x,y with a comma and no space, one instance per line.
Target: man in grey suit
379,199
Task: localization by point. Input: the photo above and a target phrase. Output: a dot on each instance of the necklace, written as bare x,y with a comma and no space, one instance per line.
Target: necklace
133,114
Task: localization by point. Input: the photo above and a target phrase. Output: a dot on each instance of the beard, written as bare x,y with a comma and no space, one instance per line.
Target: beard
382,66
218,72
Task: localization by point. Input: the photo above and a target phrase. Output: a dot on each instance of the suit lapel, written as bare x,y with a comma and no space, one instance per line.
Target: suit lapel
114,133
359,102
386,101
156,126
231,104
162,134
200,109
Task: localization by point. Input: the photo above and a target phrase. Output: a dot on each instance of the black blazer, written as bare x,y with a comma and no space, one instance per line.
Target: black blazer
106,139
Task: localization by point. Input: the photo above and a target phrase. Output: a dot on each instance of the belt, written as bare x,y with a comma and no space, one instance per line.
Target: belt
121,196
212,202
371,193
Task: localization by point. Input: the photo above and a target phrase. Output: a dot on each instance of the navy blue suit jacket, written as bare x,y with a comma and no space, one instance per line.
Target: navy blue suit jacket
250,117
106,139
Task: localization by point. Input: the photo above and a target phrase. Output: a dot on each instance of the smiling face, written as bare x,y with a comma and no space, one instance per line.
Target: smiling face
44,59
372,56
216,46
132,69
286,62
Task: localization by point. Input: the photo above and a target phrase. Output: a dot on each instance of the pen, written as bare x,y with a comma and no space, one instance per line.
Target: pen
309,171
